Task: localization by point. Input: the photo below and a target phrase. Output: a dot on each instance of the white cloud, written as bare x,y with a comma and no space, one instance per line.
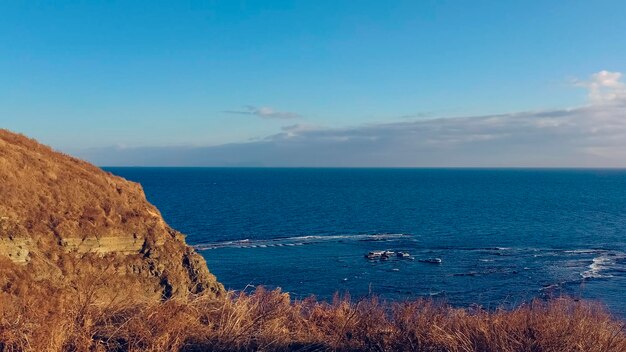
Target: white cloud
590,136
605,87
294,130
264,112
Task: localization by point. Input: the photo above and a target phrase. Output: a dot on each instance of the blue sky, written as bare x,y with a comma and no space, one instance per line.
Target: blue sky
115,81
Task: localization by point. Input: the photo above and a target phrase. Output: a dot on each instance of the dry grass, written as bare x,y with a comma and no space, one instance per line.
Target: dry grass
270,320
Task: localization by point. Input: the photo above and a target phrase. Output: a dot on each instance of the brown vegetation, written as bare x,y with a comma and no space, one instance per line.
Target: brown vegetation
269,320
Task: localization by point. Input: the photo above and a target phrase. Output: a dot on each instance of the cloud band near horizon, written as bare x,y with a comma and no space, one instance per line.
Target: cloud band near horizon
590,136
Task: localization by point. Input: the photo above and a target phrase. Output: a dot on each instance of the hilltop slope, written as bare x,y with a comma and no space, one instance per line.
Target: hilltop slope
63,220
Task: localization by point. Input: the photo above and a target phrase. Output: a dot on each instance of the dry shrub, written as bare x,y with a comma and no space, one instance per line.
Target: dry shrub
80,320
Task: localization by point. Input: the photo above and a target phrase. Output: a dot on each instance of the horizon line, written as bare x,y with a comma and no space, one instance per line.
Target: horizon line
375,167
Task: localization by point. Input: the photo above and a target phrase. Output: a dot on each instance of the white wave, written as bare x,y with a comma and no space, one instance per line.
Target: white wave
597,266
550,287
299,240
360,237
585,251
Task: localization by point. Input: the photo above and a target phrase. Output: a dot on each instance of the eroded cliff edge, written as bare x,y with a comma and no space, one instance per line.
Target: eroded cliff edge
63,220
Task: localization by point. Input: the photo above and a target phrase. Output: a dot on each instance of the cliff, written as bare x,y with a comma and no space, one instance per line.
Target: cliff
63,220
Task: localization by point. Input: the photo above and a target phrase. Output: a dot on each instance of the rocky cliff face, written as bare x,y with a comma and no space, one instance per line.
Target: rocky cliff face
62,219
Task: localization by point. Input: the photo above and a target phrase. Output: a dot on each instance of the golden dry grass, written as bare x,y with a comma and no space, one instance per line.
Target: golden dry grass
271,321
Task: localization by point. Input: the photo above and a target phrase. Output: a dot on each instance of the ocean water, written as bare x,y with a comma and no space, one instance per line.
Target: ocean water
504,236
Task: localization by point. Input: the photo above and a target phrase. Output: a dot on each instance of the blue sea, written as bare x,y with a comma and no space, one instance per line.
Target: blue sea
504,236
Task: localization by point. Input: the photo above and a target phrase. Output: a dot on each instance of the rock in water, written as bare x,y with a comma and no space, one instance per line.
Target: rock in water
64,221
